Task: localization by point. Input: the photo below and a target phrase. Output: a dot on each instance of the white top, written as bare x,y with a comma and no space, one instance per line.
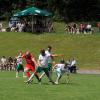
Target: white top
0,25
49,56
73,62
3,60
60,66
89,26
43,60
19,60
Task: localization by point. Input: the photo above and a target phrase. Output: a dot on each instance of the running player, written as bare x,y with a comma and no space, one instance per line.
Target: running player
19,65
61,68
30,64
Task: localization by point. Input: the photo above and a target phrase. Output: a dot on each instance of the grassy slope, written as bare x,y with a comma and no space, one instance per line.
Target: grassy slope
85,48
81,87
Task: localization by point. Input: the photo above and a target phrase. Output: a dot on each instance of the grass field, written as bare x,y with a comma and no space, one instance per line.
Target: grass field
81,87
85,48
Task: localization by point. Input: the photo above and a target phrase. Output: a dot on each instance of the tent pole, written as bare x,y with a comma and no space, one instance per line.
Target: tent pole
32,23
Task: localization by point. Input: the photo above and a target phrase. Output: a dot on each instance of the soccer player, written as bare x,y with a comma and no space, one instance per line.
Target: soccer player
30,65
61,68
19,66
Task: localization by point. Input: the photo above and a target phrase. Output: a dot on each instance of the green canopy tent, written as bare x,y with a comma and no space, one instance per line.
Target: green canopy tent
32,11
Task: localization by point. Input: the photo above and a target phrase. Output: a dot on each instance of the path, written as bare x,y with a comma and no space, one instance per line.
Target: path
85,71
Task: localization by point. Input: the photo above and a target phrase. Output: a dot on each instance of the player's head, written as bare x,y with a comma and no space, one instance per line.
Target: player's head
42,52
62,61
49,48
3,57
28,54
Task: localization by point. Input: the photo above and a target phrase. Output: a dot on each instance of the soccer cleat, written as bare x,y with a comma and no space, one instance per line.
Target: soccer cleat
27,82
56,83
17,76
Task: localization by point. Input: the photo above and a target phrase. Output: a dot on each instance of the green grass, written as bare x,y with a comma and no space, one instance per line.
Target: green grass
81,87
85,48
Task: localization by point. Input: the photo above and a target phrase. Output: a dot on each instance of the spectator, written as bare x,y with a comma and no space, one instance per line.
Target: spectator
88,28
0,27
73,66
98,26
3,63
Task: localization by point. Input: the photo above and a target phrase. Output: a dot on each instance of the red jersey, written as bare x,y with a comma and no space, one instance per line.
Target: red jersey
28,59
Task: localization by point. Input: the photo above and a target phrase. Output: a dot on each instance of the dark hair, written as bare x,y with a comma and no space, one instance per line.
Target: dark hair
42,52
62,61
49,47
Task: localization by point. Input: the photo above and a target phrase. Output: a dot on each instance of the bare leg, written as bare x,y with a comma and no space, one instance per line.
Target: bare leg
42,75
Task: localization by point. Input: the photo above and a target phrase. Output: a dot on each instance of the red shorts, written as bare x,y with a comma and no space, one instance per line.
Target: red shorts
30,67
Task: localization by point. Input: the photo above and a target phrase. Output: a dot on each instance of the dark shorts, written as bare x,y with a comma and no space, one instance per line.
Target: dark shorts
19,67
40,69
49,66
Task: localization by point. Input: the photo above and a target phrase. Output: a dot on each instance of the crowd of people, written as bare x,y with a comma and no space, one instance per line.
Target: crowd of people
37,25
7,63
47,26
81,28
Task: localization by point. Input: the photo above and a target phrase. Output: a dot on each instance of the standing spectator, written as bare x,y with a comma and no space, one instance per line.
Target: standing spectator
0,27
98,26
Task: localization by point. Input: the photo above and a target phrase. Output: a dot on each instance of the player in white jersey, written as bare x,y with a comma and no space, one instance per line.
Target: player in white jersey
61,68
19,65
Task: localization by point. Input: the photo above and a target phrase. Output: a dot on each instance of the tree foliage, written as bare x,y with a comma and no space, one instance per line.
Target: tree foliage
68,10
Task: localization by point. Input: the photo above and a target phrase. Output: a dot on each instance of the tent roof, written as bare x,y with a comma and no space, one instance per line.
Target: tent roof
32,11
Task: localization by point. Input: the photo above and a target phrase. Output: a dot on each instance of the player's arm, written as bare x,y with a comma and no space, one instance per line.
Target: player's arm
34,60
57,55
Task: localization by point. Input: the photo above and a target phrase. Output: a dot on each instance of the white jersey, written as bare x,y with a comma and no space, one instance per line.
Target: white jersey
49,56
60,66
43,60
19,60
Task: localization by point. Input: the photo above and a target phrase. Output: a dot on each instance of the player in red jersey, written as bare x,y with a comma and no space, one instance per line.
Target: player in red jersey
30,64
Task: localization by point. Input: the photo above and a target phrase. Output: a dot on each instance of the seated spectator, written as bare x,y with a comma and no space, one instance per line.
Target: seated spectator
82,28
75,28
98,26
9,63
72,65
